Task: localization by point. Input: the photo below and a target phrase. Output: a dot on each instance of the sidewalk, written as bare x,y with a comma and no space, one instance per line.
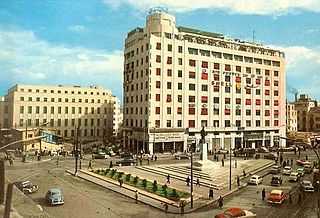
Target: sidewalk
158,201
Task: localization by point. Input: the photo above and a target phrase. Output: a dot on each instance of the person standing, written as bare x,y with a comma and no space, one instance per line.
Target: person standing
235,164
211,192
198,182
188,181
220,201
155,157
57,160
136,195
168,178
244,172
290,197
263,194
110,165
120,182
148,160
238,180
90,165
222,162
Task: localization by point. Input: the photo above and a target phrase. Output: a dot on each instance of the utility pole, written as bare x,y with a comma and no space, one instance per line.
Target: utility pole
191,202
230,168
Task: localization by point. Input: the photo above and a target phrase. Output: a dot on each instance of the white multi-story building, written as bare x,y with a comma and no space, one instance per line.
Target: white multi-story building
291,117
63,108
178,80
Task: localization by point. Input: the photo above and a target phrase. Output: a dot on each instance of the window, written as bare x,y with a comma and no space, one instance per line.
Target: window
216,66
276,112
258,123
158,71
227,111
227,78
216,111
179,86
192,86
258,91
267,102
267,92
169,72
52,110
238,68
204,64
21,109
276,92
157,110
248,80
276,103
191,110
248,70
169,98
267,122
267,83
248,91
157,97
192,98
192,74
204,111
204,88
216,88
169,47
258,81
169,85
248,123
238,100
168,110
180,98
158,84
248,101
227,67
248,112
204,99
227,100
169,60
29,109
180,49
238,111
179,73
267,72
158,58
204,76
258,102
158,46
179,110
216,77
258,112
276,83
192,63
276,123
238,79
227,123
227,89
276,73
267,113
37,109
191,123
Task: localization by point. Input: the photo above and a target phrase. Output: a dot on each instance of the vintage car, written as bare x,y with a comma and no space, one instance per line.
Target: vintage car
300,172
126,162
307,168
287,170
275,169
294,176
54,196
26,187
255,180
276,197
235,212
303,162
271,156
276,180
100,155
306,186
182,156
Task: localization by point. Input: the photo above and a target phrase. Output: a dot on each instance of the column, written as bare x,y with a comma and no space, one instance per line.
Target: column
151,148
233,141
221,142
271,140
162,147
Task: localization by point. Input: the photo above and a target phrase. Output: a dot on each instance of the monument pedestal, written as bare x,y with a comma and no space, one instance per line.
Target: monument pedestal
204,164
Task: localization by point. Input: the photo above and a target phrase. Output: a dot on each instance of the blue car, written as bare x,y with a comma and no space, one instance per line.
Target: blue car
54,197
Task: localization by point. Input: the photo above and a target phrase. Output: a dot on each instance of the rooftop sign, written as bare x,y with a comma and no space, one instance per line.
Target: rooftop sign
156,10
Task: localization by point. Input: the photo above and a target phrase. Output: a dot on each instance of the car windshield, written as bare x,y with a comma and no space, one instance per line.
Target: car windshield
306,183
55,192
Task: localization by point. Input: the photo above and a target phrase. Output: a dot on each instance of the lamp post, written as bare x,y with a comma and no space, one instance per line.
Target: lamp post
191,188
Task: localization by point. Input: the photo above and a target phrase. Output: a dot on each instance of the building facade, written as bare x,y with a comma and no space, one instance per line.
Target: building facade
303,105
291,117
178,80
62,109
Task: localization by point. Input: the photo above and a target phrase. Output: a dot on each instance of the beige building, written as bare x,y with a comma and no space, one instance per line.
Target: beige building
61,109
303,105
291,116
179,79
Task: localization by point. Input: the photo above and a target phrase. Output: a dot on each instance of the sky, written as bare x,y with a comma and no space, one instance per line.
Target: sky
79,42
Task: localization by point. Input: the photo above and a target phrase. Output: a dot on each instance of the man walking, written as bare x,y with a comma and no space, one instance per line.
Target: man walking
136,195
222,162
188,181
168,178
263,194
211,193
238,180
198,182
220,201
90,165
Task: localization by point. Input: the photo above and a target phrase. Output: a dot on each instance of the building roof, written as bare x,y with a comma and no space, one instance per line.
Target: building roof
200,32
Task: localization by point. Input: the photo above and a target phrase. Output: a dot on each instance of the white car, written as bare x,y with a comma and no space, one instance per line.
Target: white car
255,180
294,176
287,170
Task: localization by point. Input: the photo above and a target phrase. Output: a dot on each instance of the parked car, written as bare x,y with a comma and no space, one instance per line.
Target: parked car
26,187
307,168
276,180
262,150
126,155
275,169
300,172
294,176
276,197
307,186
111,153
182,156
54,196
100,155
126,162
271,156
303,162
287,170
235,212
223,151
255,180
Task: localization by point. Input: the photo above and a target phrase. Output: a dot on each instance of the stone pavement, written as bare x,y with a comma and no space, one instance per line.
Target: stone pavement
219,180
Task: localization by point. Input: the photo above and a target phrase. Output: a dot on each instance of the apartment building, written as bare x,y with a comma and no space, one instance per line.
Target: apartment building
303,105
61,109
291,117
178,80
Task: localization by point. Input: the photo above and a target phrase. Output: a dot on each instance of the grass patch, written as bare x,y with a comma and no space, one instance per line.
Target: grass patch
152,187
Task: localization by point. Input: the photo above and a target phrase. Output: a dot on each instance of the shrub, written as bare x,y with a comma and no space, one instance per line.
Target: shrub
113,171
98,171
154,186
164,188
135,180
144,183
128,176
174,193
120,174
106,172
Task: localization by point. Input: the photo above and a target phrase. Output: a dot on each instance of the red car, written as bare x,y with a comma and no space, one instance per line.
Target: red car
303,162
235,212
276,197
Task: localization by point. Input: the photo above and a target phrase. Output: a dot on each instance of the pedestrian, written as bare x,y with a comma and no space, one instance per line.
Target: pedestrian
182,205
140,160
211,192
217,158
165,207
290,197
168,178
155,157
136,195
57,161
244,172
299,152
148,160
90,165
263,194
306,157
11,161
238,180
188,181
222,162
291,162
220,201
198,182
152,157
299,199
288,162
111,165
120,182
235,164
224,156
